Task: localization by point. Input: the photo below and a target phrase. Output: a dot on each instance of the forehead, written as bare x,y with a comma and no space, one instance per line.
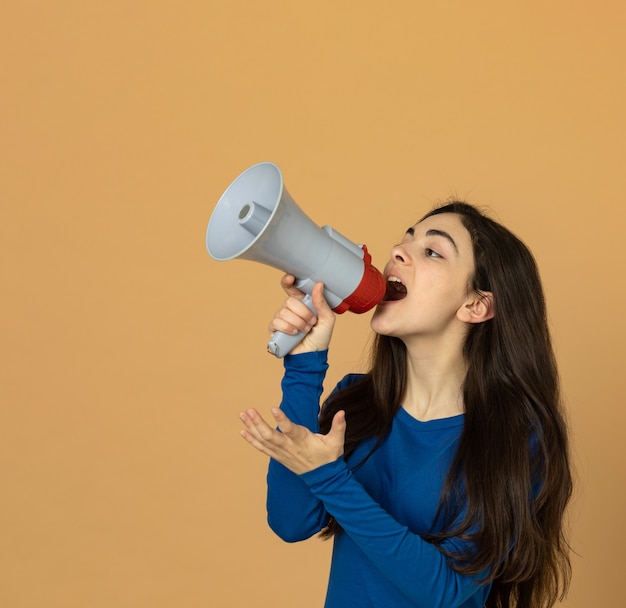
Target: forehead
449,223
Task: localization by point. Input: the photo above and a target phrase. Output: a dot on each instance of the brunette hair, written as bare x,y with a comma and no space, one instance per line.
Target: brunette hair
510,481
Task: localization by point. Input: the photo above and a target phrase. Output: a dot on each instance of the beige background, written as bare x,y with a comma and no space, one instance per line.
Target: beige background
127,351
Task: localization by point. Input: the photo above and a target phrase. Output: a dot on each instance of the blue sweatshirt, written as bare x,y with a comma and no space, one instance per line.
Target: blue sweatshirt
379,558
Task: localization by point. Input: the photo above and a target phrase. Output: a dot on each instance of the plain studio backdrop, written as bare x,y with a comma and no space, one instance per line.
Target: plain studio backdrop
127,352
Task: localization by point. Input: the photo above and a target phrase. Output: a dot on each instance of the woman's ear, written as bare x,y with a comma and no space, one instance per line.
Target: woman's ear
479,307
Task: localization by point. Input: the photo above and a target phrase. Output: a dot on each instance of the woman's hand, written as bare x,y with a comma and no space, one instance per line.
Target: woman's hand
294,316
294,446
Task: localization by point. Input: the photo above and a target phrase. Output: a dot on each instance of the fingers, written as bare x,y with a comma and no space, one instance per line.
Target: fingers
294,446
284,424
317,294
260,431
280,445
287,427
257,432
287,283
294,316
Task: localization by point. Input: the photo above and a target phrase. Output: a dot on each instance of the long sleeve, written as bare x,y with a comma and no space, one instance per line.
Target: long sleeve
382,504
413,566
293,513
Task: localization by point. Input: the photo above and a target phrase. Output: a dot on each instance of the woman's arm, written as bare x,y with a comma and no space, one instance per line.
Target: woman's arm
293,513
417,568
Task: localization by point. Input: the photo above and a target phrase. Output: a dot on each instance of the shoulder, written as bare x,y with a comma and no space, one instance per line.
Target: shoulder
349,380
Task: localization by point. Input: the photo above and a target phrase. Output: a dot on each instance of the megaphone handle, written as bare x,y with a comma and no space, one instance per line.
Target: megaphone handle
282,344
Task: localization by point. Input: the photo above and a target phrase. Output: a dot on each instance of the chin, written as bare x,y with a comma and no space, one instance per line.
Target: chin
379,326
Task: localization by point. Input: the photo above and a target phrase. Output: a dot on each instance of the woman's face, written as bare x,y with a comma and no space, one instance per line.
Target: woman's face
429,277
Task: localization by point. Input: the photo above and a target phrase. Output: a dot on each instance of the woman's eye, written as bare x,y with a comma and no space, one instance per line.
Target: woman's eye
431,253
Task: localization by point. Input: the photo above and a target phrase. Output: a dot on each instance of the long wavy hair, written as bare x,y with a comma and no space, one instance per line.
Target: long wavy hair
510,481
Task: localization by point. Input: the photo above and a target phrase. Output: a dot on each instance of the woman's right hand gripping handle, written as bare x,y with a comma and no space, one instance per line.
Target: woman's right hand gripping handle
295,317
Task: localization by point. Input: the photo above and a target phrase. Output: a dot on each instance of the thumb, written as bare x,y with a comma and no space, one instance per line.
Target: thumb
319,302
320,336
338,428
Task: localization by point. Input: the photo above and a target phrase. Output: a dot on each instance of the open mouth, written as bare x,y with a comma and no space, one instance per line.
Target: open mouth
395,290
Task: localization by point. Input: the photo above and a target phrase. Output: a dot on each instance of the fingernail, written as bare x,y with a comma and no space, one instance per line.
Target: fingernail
307,329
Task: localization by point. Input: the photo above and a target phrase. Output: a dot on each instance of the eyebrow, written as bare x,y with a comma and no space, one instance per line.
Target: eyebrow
445,235
435,232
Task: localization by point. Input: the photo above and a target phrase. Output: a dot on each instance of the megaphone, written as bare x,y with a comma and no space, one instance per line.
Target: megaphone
256,219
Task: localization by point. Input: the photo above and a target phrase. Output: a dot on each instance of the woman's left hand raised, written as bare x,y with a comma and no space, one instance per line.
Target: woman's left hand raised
294,445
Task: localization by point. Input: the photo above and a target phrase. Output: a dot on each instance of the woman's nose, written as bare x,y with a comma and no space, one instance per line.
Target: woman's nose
398,254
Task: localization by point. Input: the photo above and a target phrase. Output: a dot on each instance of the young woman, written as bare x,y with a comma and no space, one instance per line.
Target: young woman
443,473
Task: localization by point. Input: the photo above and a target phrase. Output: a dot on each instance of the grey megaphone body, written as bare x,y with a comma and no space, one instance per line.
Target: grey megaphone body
256,219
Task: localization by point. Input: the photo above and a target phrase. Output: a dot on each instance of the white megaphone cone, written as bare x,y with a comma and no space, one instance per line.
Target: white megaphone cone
256,219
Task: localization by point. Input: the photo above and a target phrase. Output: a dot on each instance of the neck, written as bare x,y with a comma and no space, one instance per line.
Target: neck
434,383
